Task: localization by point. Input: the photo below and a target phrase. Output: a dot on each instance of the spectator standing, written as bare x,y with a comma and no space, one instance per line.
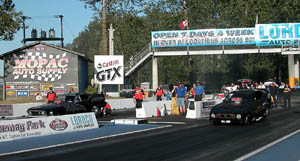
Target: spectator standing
51,95
173,92
297,86
131,61
287,95
174,108
71,90
199,92
273,91
159,93
138,96
38,96
244,86
261,86
280,91
181,96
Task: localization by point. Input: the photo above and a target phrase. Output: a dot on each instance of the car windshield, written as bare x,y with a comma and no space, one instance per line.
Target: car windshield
238,97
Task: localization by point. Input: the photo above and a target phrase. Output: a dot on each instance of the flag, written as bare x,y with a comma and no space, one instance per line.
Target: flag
183,24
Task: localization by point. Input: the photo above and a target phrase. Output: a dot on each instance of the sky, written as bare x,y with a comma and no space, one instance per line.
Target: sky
76,19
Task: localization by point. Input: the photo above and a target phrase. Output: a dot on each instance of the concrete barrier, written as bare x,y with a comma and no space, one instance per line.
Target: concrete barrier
200,109
117,104
149,109
19,110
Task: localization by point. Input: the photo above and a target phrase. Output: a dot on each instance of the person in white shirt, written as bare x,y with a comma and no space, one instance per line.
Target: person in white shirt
261,86
280,91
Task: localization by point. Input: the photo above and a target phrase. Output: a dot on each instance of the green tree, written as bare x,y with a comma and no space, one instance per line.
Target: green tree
10,20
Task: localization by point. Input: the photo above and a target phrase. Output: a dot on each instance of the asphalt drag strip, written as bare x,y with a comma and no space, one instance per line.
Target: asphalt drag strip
51,141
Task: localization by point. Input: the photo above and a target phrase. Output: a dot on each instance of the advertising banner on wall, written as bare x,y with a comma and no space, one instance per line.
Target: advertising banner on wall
68,123
24,128
277,34
109,69
6,110
40,64
203,37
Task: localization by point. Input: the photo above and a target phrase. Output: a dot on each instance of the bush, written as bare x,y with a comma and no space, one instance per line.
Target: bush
91,90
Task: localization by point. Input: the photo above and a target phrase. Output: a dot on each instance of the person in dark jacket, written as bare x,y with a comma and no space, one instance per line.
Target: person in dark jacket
287,95
273,92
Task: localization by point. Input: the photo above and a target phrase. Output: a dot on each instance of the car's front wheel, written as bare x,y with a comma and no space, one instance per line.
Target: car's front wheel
246,120
266,113
97,111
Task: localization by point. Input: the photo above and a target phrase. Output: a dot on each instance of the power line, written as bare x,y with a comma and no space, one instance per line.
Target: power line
69,27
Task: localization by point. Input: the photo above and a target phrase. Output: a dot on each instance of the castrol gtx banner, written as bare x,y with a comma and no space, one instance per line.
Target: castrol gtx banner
109,69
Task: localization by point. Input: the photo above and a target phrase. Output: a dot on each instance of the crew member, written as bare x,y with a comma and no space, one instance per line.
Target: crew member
138,96
106,109
159,93
51,95
199,92
181,97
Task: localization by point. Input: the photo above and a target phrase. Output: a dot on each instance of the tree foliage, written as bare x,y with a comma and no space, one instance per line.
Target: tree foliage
134,20
10,20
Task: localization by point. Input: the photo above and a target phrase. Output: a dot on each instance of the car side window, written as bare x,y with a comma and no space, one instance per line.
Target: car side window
84,97
257,95
77,99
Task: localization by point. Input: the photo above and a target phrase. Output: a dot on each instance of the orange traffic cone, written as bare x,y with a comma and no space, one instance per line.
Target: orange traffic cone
157,112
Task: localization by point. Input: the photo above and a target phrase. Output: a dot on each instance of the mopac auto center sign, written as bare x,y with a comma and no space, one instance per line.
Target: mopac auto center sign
109,69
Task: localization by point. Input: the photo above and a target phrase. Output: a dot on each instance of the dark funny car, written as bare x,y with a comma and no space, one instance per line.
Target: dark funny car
70,104
243,107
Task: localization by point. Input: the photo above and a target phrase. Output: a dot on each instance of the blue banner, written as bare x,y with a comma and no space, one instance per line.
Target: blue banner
205,37
277,34
22,93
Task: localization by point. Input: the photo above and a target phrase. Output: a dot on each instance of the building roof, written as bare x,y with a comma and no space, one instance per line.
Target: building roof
43,43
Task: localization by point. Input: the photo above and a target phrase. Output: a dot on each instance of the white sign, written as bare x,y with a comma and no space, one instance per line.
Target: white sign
69,123
109,69
24,128
6,110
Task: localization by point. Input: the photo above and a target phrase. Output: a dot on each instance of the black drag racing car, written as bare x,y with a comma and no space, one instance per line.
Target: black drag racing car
70,104
243,107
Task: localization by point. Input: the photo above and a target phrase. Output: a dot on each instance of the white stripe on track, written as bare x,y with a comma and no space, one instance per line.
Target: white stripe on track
158,122
266,146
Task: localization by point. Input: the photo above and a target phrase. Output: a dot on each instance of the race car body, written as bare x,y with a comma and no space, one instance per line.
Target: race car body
243,106
69,104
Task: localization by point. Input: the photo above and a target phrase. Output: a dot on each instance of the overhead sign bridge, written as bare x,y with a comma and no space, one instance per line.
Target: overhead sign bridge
281,38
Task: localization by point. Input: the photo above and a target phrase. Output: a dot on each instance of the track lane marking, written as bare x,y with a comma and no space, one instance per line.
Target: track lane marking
267,146
159,122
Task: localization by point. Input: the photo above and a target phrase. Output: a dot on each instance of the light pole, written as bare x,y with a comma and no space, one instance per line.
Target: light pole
61,29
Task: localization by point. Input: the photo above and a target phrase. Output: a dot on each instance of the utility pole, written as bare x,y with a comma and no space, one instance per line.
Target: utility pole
104,35
24,27
111,40
61,31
